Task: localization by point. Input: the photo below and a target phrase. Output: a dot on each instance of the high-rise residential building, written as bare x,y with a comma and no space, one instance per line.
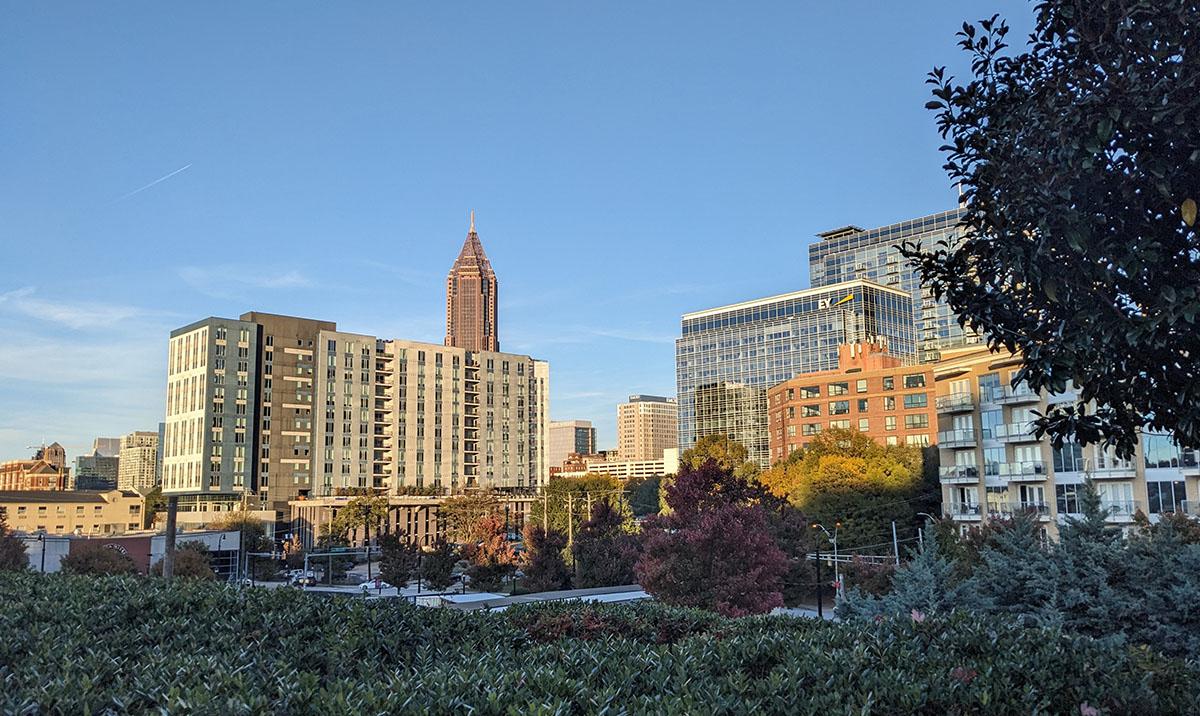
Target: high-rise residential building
138,464
871,391
852,253
570,437
258,410
646,426
471,286
993,466
728,357
46,471
106,447
96,472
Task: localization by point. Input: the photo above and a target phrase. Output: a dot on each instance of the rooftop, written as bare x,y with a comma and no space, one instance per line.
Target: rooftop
794,295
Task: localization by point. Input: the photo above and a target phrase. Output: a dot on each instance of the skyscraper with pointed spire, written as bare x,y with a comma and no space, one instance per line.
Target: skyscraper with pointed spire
471,298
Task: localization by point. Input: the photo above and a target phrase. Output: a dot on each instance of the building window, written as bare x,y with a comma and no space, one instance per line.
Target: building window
889,423
812,391
891,441
889,383
864,425
838,389
920,440
810,411
916,400
918,420
914,381
810,428
839,424
989,420
1068,458
862,405
1166,496
860,385
1068,498
889,402
839,407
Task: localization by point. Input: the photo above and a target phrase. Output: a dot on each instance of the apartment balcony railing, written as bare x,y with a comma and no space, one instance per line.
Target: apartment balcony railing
1008,395
962,510
952,474
1023,471
1191,508
1013,509
955,403
1014,433
962,438
1110,469
1120,511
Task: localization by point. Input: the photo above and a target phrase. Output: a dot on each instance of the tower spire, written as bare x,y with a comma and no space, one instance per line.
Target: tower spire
472,229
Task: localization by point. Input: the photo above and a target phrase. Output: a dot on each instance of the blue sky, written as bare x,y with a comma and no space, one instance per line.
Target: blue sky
628,162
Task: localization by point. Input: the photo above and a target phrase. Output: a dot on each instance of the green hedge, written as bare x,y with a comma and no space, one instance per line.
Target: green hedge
85,645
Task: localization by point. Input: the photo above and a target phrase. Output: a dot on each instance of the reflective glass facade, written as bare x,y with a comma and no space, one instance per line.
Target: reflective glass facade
727,357
851,253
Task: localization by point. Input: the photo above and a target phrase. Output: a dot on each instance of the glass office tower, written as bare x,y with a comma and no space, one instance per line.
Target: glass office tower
727,357
850,252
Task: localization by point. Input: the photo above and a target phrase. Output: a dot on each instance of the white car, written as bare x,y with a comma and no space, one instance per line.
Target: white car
372,584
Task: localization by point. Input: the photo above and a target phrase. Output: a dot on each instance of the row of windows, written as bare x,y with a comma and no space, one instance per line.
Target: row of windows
842,407
915,380
911,422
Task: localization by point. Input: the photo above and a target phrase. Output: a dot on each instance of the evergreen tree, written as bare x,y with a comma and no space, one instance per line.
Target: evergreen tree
543,564
398,561
925,585
437,565
604,550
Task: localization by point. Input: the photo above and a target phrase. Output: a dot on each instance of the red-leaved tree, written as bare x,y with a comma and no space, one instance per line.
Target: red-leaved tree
491,557
716,549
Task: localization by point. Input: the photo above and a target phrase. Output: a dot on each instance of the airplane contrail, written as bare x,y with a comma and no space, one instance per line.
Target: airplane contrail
156,181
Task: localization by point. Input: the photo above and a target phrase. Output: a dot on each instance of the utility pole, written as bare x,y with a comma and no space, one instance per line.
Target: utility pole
820,588
545,510
895,543
570,519
169,553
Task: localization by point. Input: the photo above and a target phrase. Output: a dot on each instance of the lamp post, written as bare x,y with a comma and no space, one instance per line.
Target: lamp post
42,540
837,572
921,530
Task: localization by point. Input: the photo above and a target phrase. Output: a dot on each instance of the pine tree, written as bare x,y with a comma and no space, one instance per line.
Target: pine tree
925,585
544,567
437,565
398,562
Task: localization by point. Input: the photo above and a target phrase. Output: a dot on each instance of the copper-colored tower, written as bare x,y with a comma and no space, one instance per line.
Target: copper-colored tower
471,298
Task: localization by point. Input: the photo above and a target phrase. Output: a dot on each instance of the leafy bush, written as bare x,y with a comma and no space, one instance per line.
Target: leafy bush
97,559
12,550
192,561
205,648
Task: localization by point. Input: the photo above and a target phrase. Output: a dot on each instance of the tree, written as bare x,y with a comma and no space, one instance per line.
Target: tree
192,561
155,501
927,584
463,514
365,511
729,455
12,550
398,562
253,538
643,494
437,565
492,557
605,551
1080,174
543,564
714,549
844,477
567,501
97,559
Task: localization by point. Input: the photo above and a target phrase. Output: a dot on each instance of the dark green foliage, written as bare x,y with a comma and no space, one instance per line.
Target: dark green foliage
192,561
96,559
1079,161
643,495
868,577
12,550
604,550
437,566
1093,581
398,563
205,648
544,567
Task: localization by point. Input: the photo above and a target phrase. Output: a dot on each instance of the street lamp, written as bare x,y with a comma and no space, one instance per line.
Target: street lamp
921,530
42,540
837,573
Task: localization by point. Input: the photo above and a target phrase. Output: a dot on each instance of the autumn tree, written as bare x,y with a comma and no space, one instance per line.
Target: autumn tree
12,550
714,549
542,562
1079,164
729,454
845,477
605,550
97,559
492,557
437,565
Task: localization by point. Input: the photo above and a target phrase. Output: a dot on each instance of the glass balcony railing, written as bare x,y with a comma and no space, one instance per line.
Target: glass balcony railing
955,403
1013,509
1008,395
962,509
1023,470
964,437
1014,433
955,473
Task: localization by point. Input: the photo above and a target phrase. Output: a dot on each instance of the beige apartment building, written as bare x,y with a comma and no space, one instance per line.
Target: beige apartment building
63,512
138,463
992,466
646,426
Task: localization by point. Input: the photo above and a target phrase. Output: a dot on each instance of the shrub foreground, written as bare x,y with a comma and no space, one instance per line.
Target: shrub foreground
127,645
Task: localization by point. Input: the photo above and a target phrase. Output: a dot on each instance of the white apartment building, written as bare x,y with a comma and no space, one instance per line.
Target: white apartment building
137,468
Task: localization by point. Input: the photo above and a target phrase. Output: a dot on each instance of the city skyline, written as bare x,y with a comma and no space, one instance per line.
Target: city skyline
576,193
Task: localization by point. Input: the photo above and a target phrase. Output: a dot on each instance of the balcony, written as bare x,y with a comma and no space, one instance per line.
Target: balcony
1023,471
1005,510
955,403
962,511
1120,511
1014,433
957,474
1008,395
1110,469
962,438
1191,508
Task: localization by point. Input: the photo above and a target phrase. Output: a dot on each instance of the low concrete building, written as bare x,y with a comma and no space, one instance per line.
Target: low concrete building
624,470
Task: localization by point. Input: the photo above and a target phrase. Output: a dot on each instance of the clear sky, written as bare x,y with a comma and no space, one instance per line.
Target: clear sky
628,162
